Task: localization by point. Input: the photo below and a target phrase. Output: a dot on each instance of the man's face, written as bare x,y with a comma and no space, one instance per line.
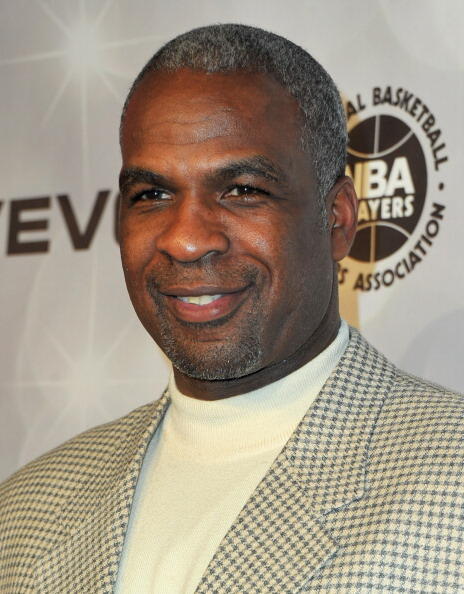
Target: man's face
224,253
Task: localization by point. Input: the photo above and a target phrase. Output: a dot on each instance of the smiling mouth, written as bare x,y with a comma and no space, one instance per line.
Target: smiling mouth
202,307
200,299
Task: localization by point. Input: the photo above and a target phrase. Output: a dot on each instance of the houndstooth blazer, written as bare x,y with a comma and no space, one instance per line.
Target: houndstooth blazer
367,496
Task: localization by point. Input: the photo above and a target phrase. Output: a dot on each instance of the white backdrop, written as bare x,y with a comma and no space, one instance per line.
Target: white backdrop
72,353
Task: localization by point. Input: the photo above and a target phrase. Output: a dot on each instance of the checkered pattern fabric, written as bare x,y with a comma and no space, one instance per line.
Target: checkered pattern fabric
367,496
63,517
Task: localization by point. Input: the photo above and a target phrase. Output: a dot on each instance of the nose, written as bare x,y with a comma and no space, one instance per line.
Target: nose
192,232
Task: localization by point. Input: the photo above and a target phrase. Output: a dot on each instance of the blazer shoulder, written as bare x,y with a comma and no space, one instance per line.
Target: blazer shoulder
420,430
52,496
55,475
410,388
400,388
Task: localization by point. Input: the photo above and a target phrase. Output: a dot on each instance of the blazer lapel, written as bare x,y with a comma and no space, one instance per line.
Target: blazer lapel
278,542
273,544
86,559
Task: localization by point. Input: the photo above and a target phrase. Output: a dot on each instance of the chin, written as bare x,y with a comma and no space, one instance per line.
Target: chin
215,362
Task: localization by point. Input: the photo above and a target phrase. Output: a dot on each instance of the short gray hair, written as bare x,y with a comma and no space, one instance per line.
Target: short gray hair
231,47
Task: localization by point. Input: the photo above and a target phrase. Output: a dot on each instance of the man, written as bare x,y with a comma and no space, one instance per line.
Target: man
287,455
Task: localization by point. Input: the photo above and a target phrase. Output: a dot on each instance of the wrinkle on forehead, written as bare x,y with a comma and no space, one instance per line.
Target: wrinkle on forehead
184,129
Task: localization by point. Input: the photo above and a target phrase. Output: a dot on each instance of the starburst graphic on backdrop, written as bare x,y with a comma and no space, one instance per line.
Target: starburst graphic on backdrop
85,55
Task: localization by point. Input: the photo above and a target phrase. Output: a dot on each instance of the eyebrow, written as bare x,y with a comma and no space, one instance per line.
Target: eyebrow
257,165
136,175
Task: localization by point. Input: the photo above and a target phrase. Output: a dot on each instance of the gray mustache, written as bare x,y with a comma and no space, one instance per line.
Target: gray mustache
241,275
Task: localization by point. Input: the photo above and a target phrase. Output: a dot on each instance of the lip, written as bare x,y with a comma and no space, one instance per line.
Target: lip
230,300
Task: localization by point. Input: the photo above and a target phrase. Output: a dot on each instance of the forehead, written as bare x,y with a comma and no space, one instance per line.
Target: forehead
188,107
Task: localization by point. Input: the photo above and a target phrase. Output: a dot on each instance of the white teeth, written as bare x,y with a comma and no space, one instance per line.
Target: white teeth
200,299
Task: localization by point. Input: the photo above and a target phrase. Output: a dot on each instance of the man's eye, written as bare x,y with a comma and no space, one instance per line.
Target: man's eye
246,193
154,195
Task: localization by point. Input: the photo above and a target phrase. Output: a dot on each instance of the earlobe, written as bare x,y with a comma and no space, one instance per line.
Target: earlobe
343,216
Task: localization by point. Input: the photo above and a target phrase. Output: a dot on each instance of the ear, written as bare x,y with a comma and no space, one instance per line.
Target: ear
342,212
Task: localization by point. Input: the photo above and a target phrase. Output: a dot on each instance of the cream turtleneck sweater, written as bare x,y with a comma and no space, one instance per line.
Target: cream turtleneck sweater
203,463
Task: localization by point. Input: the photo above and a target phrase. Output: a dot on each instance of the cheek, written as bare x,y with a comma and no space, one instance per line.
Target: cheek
136,243
258,238
137,249
301,268
273,244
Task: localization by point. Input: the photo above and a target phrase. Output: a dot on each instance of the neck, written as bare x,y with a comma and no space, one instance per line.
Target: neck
320,339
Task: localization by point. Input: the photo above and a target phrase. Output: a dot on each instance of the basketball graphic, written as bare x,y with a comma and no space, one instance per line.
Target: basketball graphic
388,167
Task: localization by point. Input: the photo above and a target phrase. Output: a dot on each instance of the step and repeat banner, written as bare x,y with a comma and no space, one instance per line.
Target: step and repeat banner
72,352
